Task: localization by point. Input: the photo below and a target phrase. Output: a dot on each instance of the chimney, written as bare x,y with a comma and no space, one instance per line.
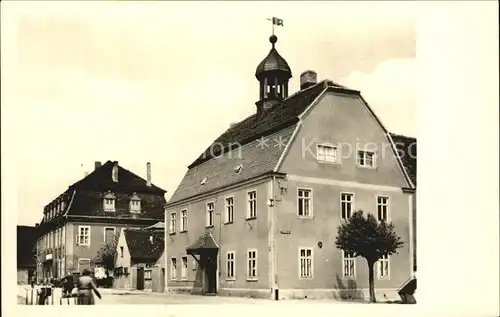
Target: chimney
97,164
85,174
232,124
148,173
114,172
308,79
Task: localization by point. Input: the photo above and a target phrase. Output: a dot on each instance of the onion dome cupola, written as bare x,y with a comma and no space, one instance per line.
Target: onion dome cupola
273,74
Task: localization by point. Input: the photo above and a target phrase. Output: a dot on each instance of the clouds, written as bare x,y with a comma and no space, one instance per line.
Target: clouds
390,90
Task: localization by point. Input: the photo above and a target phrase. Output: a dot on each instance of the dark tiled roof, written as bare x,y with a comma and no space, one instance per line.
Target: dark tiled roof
407,151
279,117
206,241
100,179
26,241
140,247
255,159
90,203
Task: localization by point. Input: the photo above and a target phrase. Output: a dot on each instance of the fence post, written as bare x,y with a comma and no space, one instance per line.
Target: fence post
52,289
32,289
26,296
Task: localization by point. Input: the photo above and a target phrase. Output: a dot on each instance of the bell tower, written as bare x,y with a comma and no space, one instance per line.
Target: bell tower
273,74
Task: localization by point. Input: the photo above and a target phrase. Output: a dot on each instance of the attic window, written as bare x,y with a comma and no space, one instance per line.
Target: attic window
109,202
203,181
238,168
135,204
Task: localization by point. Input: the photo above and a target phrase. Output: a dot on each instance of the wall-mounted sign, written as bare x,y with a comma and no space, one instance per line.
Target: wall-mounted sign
285,231
48,256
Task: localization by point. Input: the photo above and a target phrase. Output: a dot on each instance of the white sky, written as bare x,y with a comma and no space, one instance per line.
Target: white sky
159,81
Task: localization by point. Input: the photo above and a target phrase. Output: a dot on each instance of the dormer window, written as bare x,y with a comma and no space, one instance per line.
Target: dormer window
238,168
135,204
109,202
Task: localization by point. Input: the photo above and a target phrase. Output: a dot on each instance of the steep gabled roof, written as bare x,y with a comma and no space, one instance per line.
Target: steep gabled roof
26,241
407,151
101,179
141,247
278,118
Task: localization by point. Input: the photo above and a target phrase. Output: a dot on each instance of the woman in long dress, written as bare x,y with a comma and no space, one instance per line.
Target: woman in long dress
86,288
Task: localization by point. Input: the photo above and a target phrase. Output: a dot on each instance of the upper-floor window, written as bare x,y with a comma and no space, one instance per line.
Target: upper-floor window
366,159
252,204
210,214
121,252
383,208
109,202
135,204
229,216
173,222
304,202
327,153
346,205
83,237
184,220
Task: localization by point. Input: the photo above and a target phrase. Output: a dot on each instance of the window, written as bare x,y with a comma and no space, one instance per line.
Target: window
173,222
109,235
252,204
109,202
304,202
306,263
173,268
348,265
230,268
184,220
147,273
346,201
382,208
194,265
325,153
252,264
83,237
121,252
210,214
229,210
135,204
383,267
366,159
184,269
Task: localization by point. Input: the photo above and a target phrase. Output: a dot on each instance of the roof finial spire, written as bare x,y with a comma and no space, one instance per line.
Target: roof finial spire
278,22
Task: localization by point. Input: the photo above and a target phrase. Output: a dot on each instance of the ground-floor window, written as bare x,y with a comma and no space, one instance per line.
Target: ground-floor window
305,263
383,267
252,264
348,265
173,268
184,268
230,268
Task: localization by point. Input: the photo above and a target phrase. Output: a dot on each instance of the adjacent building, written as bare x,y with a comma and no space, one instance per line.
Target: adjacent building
256,213
139,263
26,253
90,214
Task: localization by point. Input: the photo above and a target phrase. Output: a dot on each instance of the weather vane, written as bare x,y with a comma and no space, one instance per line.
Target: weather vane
276,21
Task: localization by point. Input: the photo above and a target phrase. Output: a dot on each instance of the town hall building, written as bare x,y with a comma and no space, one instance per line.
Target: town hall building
258,215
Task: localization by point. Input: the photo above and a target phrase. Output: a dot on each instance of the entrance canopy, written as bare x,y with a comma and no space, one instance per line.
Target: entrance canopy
204,243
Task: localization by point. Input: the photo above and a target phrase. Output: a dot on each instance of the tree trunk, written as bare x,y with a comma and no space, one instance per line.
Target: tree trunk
371,281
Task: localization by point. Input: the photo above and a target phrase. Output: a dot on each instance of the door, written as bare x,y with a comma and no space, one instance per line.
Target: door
211,275
140,278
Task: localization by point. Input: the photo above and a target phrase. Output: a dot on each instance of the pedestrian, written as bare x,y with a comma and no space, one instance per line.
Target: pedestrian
68,284
41,292
86,288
